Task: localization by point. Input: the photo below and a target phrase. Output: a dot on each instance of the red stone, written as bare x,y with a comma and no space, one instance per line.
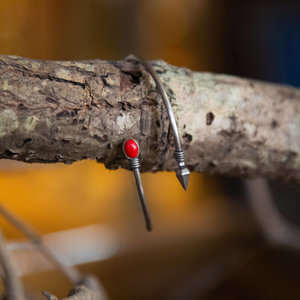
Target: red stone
131,148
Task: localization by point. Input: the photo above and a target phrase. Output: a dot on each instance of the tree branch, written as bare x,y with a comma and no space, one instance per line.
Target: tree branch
70,272
66,111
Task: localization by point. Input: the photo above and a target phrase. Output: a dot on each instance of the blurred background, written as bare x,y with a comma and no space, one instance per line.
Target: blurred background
206,243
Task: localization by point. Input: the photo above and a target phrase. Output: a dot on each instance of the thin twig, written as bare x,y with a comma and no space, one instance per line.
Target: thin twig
275,227
13,286
70,272
209,278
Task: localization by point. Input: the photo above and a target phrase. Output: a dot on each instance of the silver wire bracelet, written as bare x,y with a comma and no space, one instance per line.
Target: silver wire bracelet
182,173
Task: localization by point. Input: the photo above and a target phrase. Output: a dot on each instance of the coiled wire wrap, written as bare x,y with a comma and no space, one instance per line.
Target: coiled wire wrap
134,163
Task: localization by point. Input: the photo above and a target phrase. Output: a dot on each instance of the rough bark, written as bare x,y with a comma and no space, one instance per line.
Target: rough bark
65,111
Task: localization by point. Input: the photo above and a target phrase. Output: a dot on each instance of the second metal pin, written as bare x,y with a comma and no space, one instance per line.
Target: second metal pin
131,151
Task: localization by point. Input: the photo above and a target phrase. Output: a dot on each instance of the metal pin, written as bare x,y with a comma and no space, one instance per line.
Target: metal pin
131,151
182,173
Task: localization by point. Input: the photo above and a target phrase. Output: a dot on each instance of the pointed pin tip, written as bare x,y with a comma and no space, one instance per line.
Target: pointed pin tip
183,176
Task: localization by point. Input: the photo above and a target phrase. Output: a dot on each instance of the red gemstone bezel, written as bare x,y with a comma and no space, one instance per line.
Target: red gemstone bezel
125,151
